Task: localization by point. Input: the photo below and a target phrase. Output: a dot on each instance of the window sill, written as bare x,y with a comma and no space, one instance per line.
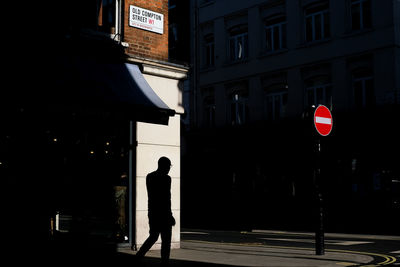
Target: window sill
236,62
265,53
314,43
354,33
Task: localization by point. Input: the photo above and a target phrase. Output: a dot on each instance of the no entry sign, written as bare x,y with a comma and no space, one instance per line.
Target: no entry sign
323,120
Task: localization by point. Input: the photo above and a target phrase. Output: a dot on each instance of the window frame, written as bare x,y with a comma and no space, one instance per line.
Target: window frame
315,83
238,35
270,25
239,105
116,15
276,113
209,112
238,109
322,28
209,51
365,95
326,97
364,17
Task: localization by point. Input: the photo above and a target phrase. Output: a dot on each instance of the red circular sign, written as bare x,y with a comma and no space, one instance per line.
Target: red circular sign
323,120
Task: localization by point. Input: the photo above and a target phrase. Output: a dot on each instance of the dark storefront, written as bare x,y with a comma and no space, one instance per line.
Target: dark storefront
66,182
67,153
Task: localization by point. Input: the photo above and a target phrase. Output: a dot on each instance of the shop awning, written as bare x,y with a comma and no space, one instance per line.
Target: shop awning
110,86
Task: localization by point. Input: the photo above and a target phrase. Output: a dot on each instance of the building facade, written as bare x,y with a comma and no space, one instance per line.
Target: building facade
142,29
259,68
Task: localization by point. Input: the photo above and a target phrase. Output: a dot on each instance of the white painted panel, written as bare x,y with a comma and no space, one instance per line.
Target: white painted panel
149,133
142,227
141,194
148,155
168,90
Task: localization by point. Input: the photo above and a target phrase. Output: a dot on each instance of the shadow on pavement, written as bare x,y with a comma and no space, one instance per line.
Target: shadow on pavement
131,260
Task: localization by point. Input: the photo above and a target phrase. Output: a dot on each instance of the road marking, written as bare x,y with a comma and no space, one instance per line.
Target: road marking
350,243
327,241
388,259
395,252
346,263
328,235
196,233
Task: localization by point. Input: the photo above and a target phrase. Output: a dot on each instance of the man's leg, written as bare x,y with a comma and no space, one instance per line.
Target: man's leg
166,245
148,244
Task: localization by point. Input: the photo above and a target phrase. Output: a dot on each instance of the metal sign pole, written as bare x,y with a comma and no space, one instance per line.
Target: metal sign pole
323,122
319,231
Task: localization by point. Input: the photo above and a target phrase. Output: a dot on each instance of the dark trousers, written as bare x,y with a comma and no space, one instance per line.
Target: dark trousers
166,234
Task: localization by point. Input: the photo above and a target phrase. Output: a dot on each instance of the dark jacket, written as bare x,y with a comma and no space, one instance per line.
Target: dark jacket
159,199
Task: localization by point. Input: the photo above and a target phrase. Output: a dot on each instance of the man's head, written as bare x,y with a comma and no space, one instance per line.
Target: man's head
164,165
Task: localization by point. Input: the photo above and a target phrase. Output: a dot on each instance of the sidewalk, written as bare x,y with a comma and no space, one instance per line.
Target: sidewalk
199,253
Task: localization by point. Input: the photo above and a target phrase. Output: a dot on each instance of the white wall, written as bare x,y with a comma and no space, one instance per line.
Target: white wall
153,142
168,90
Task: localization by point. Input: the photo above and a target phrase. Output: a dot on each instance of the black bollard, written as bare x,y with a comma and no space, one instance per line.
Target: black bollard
319,233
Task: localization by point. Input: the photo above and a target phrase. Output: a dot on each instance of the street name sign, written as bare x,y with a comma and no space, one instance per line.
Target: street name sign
146,19
323,120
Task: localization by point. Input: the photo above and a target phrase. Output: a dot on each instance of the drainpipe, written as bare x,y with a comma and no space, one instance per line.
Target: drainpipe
131,174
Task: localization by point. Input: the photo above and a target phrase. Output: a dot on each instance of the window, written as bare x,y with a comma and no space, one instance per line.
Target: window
108,20
237,93
171,4
209,112
107,14
361,14
239,109
238,44
208,108
275,34
209,50
363,86
318,92
276,103
317,24
173,37
319,95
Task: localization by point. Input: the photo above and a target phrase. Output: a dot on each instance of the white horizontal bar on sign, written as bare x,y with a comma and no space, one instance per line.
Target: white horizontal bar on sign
323,120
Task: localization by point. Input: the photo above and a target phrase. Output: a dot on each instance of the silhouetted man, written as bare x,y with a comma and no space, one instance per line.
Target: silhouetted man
159,210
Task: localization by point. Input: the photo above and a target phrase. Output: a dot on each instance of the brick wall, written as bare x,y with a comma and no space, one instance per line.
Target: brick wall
144,43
